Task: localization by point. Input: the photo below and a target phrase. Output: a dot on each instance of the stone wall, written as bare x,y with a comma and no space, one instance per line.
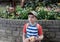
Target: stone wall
11,30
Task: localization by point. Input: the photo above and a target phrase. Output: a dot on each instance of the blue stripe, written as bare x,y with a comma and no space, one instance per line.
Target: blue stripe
32,29
32,32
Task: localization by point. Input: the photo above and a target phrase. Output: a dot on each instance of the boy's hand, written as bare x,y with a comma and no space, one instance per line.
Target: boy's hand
32,39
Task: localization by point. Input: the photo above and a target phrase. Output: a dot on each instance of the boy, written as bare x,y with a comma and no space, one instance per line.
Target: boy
32,31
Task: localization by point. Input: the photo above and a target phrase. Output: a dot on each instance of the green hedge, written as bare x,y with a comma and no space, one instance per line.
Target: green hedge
21,13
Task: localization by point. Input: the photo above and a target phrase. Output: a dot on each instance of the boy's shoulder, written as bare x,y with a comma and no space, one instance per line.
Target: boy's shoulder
37,25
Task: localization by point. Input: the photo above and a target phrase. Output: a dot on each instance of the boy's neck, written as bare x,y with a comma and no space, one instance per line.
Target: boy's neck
33,23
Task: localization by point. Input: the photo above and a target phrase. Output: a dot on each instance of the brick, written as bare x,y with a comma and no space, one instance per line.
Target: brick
10,29
15,33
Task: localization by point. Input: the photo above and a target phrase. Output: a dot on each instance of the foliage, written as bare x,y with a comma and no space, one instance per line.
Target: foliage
48,15
42,14
33,4
49,2
22,13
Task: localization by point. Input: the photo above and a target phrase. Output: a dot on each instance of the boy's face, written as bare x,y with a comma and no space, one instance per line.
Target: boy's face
31,18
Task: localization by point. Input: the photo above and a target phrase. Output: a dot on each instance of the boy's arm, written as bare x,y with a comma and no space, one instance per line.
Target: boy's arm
40,33
24,31
23,37
40,37
24,34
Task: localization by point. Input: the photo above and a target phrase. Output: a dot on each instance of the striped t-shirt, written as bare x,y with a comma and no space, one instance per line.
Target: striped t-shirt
32,30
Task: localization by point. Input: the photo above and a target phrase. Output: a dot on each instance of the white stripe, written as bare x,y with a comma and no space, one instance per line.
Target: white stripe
32,27
31,30
28,36
32,33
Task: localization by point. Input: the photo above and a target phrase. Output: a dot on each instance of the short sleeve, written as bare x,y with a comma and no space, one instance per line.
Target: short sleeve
40,32
24,29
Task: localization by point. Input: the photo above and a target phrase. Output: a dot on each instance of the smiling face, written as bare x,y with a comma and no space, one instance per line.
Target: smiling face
32,18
